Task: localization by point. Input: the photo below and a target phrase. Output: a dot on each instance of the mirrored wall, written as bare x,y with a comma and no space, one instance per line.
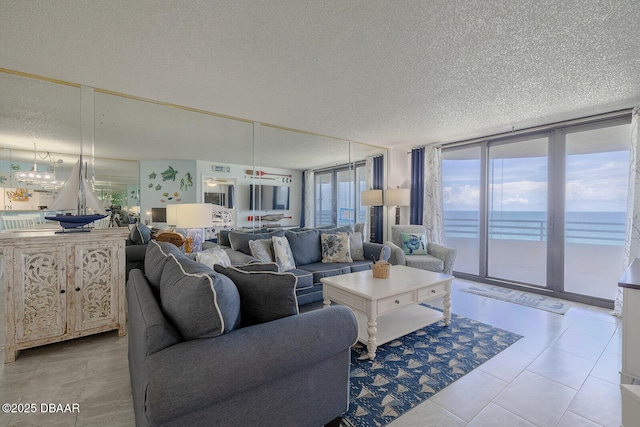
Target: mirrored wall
144,155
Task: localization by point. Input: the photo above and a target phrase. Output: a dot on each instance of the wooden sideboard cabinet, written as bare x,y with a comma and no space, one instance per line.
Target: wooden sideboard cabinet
62,286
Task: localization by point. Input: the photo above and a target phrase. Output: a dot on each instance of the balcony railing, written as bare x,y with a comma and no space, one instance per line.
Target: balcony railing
605,233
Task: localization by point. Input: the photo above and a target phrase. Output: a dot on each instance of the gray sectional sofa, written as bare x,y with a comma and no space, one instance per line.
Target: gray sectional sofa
306,248
207,348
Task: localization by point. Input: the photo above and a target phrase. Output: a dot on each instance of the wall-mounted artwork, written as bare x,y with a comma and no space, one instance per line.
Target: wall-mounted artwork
19,195
168,177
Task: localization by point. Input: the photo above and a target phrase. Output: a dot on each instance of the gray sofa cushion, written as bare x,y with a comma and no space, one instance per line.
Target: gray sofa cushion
259,266
305,246
240,241
305,278
320,269
264,295
361,265
199,302
154,260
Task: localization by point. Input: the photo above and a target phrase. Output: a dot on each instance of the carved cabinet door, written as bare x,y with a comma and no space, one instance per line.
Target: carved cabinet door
41,294
95,291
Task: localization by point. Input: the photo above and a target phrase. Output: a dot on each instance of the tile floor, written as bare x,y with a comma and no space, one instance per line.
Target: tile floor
564,372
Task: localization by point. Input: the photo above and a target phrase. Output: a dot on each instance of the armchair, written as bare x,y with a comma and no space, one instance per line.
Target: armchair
439,258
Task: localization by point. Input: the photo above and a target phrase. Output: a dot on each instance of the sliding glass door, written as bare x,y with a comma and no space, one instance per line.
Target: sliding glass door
546,209
461,200
517,211
596,186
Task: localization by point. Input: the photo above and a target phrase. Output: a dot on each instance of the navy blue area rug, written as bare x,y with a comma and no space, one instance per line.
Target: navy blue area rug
409,370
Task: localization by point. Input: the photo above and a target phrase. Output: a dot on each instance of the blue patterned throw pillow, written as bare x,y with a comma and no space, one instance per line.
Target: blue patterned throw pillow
414,244
335,247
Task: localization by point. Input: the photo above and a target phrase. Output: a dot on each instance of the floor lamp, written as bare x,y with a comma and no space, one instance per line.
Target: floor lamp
371,198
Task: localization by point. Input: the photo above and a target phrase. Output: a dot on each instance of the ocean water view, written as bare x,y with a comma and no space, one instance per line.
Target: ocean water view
603,228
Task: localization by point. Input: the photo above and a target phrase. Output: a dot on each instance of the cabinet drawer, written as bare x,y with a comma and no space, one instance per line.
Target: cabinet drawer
391,303
432,291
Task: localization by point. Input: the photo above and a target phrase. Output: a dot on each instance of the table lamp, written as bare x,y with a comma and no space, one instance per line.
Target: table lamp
194,217
397,197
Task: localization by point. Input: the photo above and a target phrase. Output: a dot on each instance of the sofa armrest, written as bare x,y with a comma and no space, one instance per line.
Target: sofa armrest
371,250
149,330
197,373
398,256
447,255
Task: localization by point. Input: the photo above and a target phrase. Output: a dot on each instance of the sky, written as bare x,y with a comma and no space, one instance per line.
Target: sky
595,182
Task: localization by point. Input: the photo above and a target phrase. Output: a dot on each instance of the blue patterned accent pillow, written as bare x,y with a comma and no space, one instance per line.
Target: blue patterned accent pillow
414,244
283,254
335,247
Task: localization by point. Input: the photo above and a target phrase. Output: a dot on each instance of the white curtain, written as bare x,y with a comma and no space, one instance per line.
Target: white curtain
632,243
309,199
433,210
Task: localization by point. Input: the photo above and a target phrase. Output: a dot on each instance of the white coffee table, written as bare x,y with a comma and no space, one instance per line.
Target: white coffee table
388,308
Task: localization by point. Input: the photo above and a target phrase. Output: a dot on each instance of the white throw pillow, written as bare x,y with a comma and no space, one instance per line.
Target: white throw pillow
211,257
262,249
283,254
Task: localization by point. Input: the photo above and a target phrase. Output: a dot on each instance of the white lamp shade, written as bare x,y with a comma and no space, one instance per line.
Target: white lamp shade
397,196
371,198
193,215
172,215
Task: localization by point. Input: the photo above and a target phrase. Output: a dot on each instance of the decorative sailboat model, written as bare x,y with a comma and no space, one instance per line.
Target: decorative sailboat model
76,195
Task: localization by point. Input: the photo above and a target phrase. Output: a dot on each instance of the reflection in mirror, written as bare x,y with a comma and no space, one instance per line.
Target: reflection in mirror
48,113
41,132
218,191
208,146
333,174
41,112
115,182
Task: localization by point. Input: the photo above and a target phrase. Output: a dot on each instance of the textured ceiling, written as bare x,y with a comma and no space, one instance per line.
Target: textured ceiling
389,73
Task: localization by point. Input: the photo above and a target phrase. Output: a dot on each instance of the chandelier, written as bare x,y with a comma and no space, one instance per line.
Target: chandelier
45,179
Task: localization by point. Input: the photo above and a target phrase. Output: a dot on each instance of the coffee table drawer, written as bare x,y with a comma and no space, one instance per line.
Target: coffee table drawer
432,291
391,303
